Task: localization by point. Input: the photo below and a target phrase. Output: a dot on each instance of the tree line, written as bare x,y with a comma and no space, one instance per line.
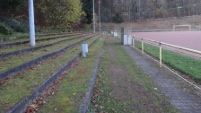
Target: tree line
56,14
133,10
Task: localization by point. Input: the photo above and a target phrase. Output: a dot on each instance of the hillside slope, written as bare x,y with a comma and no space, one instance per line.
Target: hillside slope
132,10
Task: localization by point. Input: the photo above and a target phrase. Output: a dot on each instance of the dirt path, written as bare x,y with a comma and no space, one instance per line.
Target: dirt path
131,85
181,95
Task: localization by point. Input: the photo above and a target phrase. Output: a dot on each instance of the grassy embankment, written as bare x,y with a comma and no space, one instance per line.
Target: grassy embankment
185,64
27,45
45,36
69,94
14,61
25,82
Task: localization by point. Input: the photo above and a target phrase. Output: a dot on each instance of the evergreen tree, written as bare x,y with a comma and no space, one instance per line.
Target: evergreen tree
10,7
87,6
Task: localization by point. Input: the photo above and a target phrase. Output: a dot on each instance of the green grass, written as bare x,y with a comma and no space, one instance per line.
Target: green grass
73,86
26,82
187,65
25,37
21,58
25,46
104,98
18,36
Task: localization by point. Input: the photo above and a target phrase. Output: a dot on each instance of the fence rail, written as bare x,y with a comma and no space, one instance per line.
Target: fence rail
174,46
160,44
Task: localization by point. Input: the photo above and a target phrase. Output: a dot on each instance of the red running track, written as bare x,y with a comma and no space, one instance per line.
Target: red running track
188,39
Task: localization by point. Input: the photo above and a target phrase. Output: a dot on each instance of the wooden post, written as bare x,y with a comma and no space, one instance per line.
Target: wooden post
160,54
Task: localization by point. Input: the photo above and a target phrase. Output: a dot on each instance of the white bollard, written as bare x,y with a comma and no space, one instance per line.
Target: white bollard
84,50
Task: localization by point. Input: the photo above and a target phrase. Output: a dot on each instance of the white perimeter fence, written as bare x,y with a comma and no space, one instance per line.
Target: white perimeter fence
187,51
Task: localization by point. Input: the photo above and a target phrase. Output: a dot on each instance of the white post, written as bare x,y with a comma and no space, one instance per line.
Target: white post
94,19
84,50
31,24
99,17
142,46
160,54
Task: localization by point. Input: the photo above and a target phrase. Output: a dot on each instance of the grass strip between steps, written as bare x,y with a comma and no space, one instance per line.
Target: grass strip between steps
22,58
38,44
25,82
38,39
68,96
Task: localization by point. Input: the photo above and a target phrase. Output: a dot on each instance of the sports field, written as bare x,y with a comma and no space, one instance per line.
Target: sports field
187,39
